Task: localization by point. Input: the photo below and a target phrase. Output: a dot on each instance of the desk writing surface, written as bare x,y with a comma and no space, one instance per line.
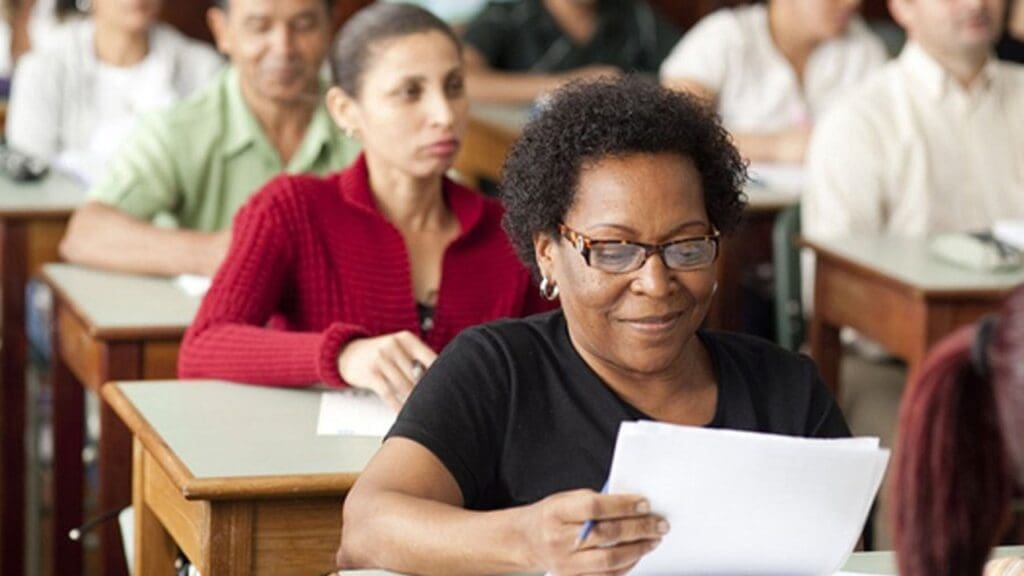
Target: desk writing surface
511,118
225,430
111,301
54,194
766,198
909,261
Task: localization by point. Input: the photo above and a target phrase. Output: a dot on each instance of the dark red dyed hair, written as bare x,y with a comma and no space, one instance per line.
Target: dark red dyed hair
960,448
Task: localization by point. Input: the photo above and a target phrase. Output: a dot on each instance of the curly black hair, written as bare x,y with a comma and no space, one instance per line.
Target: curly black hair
587,121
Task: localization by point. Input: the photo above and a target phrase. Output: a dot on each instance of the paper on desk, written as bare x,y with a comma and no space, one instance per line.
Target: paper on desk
353,412
745,503
781,177
192,284
1010,232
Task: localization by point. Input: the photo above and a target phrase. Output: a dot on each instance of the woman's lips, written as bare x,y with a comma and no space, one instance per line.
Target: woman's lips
654,323
443,148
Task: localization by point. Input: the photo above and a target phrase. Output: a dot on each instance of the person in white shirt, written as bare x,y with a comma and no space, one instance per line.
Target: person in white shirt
934,142
25,23
771,70
75,100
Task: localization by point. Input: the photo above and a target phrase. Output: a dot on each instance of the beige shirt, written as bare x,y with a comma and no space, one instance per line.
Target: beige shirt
912,153
731,52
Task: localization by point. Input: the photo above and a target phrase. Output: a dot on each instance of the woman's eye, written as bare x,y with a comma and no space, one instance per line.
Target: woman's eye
410,92
455,87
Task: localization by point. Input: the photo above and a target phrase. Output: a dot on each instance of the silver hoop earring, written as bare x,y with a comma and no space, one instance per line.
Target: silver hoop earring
548,289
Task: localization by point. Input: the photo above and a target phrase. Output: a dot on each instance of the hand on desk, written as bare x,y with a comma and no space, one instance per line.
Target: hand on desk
624,530
390,365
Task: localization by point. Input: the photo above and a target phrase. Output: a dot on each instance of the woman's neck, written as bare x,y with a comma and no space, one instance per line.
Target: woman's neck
679,393
790,39
1016,22
411,204
578,20
118,47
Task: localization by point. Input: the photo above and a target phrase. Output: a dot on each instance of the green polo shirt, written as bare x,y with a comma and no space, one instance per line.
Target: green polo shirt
194,165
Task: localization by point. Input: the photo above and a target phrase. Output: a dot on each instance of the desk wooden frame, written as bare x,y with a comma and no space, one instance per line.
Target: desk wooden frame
228,526
907,320
28,239
86,357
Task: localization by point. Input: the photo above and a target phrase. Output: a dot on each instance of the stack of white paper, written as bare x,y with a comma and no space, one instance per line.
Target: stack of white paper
353,412
746,503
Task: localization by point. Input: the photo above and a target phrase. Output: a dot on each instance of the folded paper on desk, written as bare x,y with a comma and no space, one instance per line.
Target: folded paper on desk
746,503
193,284
353,412
976,250
781,177
1010,232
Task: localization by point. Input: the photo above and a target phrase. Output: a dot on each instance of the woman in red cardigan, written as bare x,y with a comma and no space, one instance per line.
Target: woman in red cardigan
360,278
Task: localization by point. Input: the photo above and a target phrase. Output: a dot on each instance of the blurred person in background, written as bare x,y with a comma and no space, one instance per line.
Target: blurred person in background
75,99
519,50
771,70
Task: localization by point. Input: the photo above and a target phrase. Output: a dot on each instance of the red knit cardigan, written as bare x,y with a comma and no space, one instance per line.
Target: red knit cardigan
314,264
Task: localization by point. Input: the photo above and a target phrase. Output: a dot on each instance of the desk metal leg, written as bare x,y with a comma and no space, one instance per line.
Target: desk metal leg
68,471
14,272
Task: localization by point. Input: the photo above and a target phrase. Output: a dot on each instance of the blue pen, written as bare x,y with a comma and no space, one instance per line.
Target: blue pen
589,524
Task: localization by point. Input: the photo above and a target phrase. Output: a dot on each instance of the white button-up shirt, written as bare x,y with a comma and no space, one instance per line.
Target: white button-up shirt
913,152
731,52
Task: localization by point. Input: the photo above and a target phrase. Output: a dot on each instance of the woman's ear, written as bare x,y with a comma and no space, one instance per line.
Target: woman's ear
543,253
343,110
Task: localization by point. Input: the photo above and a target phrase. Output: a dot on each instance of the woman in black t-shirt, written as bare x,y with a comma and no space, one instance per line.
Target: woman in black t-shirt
616,196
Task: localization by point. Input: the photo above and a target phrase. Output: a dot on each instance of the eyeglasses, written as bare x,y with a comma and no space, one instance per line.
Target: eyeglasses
621,256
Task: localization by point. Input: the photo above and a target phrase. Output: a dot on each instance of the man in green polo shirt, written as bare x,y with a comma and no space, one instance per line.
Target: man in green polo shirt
166,203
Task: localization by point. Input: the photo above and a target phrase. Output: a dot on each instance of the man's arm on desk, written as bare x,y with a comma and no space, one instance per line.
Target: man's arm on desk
102,236
487,84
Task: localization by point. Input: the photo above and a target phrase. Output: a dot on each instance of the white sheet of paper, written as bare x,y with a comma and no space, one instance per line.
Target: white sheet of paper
746,503
1011,232
353,412
193,284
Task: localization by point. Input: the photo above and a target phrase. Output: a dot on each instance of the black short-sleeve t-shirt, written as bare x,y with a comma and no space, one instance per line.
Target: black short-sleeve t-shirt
515,414
524,36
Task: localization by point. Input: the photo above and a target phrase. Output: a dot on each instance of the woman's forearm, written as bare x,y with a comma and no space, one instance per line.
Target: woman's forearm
409,534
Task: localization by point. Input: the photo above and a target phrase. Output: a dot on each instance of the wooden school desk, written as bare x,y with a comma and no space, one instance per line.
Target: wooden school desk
32,220
881,563
893,291
235,476
748,247
491,132
107,326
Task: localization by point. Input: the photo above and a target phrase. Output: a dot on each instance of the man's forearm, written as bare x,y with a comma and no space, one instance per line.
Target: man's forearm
509,87
103,237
